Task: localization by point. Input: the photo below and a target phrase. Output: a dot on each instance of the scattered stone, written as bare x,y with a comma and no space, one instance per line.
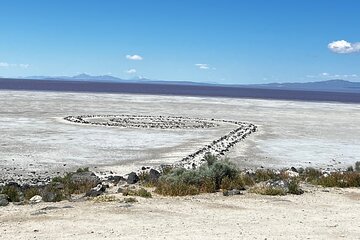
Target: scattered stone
132,178
282,184
96,191
232,192
48,208
115,179
38,213
294,169
68,206
292,173
35,199
126,205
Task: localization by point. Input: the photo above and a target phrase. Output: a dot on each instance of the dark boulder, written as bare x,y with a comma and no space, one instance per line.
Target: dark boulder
50,196
85,177
115,179
4,200
132,178
154,175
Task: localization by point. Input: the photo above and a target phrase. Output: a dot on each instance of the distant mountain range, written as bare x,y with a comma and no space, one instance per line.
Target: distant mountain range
109,78
336,85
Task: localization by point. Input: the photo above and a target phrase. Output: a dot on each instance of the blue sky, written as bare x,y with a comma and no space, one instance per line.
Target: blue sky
224,41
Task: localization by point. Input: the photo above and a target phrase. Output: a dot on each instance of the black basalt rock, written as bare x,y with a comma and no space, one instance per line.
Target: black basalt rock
154,175
132,178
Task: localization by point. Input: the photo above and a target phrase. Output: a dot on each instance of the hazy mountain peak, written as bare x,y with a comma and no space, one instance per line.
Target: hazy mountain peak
82,75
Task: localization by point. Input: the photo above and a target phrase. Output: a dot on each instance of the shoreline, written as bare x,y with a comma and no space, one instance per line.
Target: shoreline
178,90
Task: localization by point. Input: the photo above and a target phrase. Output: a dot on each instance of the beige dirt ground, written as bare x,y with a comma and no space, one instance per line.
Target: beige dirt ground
317,214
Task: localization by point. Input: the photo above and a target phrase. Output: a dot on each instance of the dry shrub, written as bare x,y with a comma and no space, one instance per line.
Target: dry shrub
294,187
340,179
30,192
267,190
130,200
176,189
233,183
104,198
263,175
140,192
310,175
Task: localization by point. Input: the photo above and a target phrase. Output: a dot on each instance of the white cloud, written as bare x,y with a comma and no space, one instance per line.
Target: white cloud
134,57
329,76
131,71
22,65
7,65
203,66
343,46
4,64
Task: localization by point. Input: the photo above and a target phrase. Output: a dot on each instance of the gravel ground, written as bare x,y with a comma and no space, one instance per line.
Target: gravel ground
317,214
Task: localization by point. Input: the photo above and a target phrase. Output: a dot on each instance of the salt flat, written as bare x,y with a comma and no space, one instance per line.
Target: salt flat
34,136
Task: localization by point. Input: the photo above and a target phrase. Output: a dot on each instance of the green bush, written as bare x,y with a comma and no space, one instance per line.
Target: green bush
12,193
30,192
210,159
220,170
70,186
262,175
248,180
294,188
144,177
62,187
80,170
52,193
210,177
236,182
311,175
166,169
144,193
